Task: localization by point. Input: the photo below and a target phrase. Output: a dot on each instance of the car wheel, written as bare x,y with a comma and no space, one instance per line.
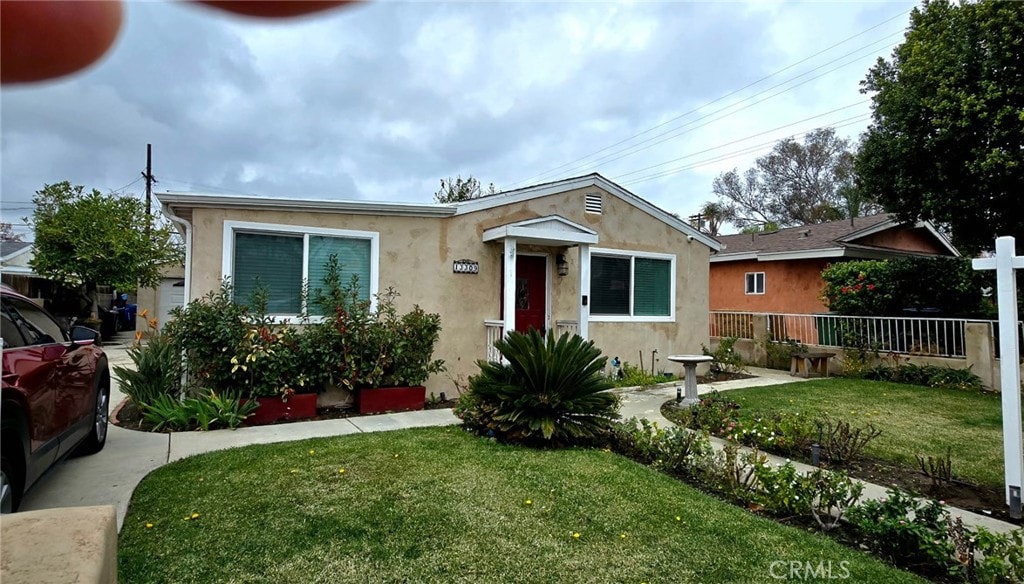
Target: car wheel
101,413
12,480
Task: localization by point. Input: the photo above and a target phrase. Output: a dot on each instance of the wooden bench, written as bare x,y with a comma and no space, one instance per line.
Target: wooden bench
810,364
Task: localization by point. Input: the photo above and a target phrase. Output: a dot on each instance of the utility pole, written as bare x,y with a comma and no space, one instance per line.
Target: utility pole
149,186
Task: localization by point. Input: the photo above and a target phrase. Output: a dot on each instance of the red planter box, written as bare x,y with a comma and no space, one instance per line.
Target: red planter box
300,406
391,399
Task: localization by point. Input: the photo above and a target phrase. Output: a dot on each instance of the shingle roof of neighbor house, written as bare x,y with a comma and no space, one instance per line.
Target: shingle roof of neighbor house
831,239
11,248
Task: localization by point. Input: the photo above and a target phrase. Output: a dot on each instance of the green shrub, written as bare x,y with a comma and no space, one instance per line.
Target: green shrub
207,411
906,531
725,358
549,391
887,287
833,493
782,433
714,413
156,371
780,354
672,449
900,370
633,376
1000,556
208,331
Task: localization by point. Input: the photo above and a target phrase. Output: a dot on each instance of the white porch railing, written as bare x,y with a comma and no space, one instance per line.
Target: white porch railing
495,329
567,326
939,337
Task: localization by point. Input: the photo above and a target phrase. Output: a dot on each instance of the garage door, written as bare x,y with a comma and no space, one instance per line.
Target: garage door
172,294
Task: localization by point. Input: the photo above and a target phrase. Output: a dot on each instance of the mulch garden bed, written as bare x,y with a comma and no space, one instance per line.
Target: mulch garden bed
129,415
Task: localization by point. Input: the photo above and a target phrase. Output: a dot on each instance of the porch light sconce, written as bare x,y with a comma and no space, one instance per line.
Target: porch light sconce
465,267
562,264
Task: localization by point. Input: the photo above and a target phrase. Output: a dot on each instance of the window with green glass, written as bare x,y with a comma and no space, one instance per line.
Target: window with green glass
652,287
353,260
630,286
273,262
278,263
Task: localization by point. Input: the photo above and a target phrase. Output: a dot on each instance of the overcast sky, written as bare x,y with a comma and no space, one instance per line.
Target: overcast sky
380,101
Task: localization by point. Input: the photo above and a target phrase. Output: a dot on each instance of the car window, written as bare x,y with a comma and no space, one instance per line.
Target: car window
10,331
37,326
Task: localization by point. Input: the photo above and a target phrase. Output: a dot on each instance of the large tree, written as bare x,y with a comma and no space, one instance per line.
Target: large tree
84,239
794,184
947,139
459,189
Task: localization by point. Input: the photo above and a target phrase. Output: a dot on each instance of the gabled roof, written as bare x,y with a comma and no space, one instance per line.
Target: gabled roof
552,229
823,240
12,249
582,182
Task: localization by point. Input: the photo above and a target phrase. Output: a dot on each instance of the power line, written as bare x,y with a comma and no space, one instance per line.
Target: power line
838,109
748,150
689,126
749,85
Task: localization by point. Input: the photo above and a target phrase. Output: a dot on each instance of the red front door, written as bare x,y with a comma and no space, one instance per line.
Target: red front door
531,292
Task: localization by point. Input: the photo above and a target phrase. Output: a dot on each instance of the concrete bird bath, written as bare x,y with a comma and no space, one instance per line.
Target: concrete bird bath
690,363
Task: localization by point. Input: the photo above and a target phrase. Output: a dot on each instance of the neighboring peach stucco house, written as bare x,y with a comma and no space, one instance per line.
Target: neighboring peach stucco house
581,255
780,271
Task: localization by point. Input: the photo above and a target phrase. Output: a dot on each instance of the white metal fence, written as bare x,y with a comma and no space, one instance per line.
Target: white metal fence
939,337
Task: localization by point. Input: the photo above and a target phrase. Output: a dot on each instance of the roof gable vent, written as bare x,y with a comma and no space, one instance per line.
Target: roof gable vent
593,203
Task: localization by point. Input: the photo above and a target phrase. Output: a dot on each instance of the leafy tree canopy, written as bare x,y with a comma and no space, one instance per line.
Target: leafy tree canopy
7,233
88,238
795,184
453,191
947,140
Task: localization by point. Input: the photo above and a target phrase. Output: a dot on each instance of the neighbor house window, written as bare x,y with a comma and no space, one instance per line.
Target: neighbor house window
632,286
754,282
281,259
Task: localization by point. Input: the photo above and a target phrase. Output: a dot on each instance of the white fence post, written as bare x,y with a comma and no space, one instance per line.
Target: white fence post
1004,263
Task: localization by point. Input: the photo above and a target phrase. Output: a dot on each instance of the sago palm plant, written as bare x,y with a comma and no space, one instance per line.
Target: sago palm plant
548,390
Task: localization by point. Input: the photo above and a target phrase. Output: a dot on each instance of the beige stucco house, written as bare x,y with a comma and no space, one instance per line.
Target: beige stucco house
581,254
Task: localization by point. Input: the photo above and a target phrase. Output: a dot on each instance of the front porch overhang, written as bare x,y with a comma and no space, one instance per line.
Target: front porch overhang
549,230
552,230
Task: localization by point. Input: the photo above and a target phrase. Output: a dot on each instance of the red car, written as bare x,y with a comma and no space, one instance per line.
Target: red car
56,394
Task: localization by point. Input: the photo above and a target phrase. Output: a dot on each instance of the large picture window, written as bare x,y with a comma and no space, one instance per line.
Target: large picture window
632,286
281,258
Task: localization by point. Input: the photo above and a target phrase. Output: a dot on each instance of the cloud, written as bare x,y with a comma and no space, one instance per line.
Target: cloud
380,101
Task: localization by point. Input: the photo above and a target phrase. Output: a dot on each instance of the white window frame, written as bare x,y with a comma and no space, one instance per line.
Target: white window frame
233,227
755,275
632,255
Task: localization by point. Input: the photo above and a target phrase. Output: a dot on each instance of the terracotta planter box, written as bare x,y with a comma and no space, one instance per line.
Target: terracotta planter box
300,406
391,399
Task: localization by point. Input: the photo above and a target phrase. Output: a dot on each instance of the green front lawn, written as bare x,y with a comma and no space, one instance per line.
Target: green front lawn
438,505
913,420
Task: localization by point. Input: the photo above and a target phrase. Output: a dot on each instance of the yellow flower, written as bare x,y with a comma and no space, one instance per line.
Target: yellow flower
341,471
149,526
195,516
622,536
528,502
678,518
575,535
295,471
396,456
312,451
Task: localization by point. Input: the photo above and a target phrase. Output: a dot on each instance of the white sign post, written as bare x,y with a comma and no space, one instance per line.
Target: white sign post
1004,263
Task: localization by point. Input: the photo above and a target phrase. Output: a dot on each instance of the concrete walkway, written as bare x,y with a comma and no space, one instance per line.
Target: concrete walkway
110,477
